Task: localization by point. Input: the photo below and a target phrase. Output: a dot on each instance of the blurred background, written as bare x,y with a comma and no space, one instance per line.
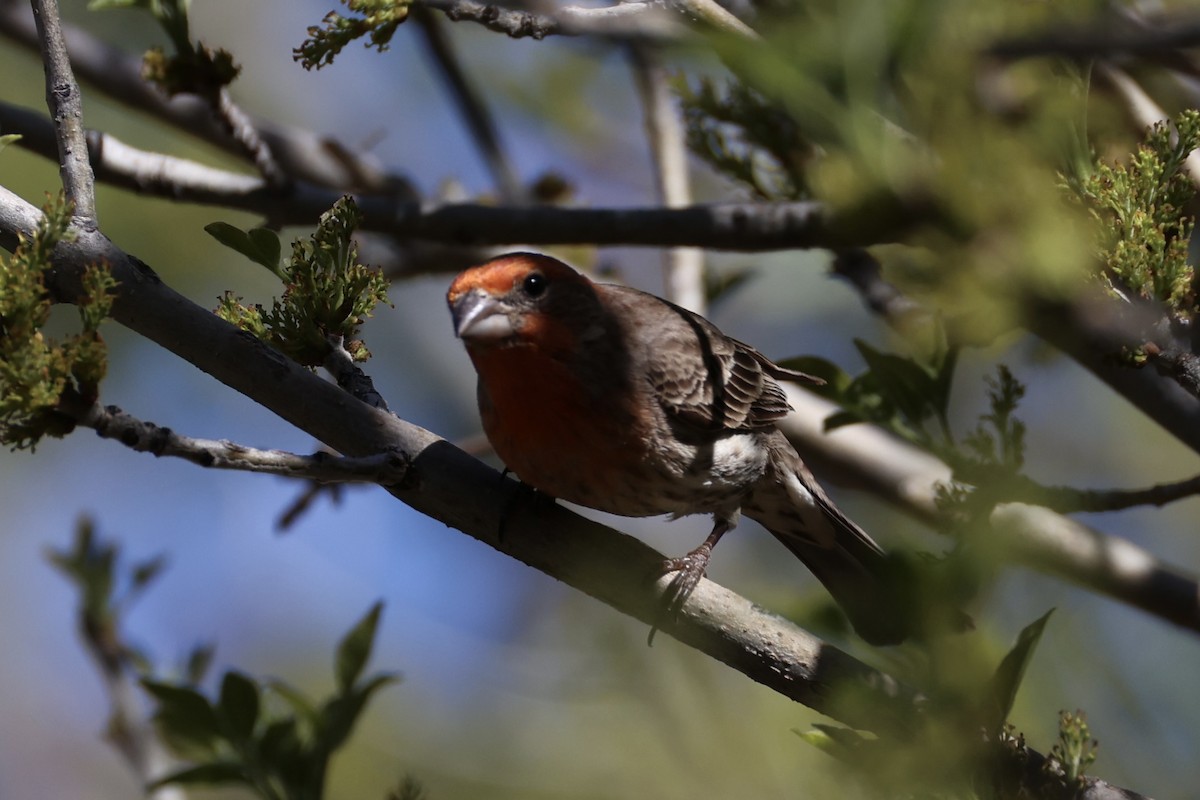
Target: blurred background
514,685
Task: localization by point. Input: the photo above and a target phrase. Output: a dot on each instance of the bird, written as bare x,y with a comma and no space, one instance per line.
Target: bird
618,400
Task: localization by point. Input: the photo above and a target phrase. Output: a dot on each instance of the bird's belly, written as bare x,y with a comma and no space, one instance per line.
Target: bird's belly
634,475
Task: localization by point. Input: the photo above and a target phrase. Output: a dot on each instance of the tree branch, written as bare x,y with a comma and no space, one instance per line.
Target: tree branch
301,154
1110,38
448,485
748,227
631,20
66,108
471,105
683,267
111,422
862,456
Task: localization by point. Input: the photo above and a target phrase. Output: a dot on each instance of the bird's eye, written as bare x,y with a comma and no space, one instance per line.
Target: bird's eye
535,284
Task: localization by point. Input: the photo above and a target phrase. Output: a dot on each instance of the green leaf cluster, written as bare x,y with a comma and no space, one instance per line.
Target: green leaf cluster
38,375
378,22
1141,207
237,738
910,397
327,293
906,395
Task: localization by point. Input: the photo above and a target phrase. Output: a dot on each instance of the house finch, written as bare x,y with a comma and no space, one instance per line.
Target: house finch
620,401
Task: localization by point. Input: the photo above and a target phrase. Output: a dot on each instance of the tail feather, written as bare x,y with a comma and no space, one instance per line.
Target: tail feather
858,577
876,591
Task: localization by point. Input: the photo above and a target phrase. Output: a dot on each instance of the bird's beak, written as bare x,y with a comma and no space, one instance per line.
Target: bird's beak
480,317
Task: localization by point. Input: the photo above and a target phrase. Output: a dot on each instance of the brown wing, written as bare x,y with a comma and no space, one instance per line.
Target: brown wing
700,376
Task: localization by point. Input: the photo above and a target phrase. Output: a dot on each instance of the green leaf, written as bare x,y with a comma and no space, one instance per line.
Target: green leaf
9,139
259,244
355,649
198,661
266,242
239,704
340,714
184,716
214,773
904,382
1011,671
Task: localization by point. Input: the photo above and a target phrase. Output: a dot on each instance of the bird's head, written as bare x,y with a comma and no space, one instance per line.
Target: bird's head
523,300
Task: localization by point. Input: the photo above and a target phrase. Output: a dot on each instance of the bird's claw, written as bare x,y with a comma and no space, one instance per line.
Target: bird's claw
688,569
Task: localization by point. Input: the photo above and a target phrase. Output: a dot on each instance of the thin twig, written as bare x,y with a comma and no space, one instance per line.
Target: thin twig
66,109
120,164
864,272
146,437
241,129
301,154
683,266
632,20
471,105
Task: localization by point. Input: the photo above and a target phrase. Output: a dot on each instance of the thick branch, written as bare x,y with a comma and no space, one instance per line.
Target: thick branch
450,486
459,490
455,488
866,457
66,108
1108,39
1094,330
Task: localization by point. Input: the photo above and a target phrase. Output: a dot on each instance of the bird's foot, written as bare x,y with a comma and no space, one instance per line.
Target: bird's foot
688,569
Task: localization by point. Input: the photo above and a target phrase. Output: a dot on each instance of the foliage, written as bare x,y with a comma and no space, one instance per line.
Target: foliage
745,138
107,591
264,735
39,376
236,737
327,293
378,22
1145,228
193,67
